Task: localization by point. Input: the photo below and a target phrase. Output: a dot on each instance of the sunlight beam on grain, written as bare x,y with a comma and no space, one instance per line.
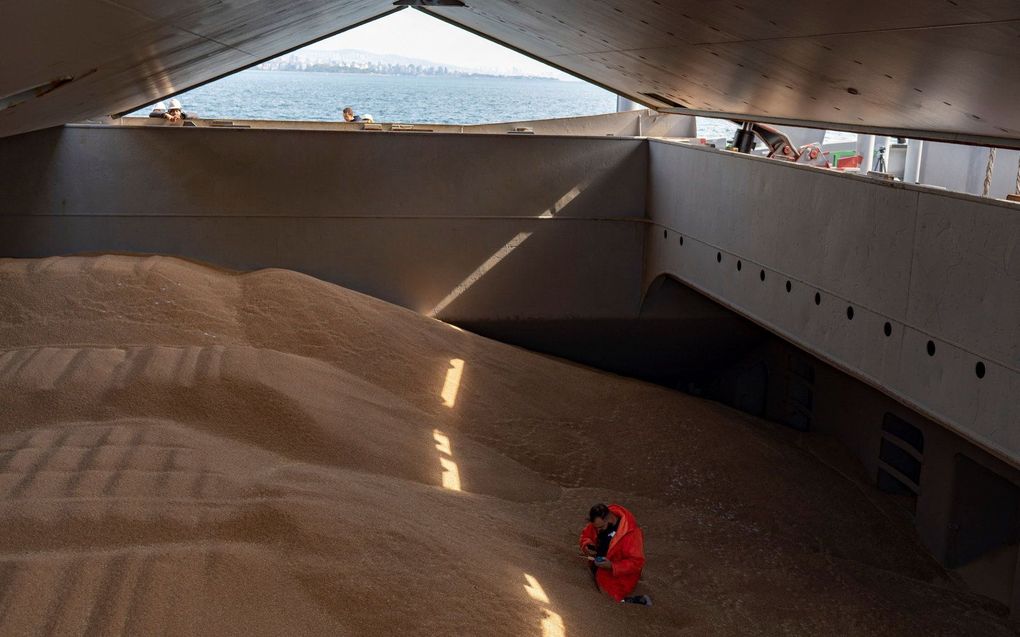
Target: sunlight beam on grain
442,442
451,475
551,623
452,383
535,589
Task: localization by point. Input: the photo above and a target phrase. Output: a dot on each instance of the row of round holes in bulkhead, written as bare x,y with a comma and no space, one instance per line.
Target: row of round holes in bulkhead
979,367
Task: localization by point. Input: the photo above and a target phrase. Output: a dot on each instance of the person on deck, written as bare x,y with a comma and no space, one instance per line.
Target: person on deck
174,111
158,111
613,543
349,115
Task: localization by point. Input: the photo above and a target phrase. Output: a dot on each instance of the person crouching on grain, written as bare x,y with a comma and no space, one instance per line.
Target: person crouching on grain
614,545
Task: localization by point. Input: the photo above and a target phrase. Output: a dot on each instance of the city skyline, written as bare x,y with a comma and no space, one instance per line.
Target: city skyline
356,60
414,34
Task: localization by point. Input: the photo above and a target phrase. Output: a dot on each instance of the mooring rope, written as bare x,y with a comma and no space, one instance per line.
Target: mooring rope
988,173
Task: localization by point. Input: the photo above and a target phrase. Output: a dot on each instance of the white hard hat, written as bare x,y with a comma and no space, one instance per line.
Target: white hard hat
175,103
160,106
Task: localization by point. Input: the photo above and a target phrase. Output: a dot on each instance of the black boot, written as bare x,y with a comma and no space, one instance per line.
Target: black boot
644,600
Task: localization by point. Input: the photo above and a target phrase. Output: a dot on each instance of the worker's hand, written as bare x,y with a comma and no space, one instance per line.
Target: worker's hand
606,564
590,552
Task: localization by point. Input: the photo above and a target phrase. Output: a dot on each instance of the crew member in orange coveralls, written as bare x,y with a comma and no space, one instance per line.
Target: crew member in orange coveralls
615,547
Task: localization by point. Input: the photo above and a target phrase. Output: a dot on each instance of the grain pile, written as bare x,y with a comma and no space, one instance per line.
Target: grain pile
200,452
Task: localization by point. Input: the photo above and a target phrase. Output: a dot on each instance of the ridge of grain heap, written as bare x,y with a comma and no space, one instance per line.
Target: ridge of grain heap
209,452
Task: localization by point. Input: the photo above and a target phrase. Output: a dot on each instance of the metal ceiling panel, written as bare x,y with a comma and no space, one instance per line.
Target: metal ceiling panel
929,68
936,69
110,56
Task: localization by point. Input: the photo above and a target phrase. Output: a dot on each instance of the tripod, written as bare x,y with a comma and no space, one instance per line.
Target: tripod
880,161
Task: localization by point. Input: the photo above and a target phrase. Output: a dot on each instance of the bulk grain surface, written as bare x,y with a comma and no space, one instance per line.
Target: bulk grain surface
191,451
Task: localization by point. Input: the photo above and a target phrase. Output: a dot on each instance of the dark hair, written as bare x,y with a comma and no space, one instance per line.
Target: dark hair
349,110
598,511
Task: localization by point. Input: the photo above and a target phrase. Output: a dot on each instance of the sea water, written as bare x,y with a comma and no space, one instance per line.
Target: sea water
426,99
305,95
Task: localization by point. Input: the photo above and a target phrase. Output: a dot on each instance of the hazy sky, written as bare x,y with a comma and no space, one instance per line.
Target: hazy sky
413,34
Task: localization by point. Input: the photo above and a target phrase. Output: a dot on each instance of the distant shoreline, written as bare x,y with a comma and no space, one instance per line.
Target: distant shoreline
451,74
